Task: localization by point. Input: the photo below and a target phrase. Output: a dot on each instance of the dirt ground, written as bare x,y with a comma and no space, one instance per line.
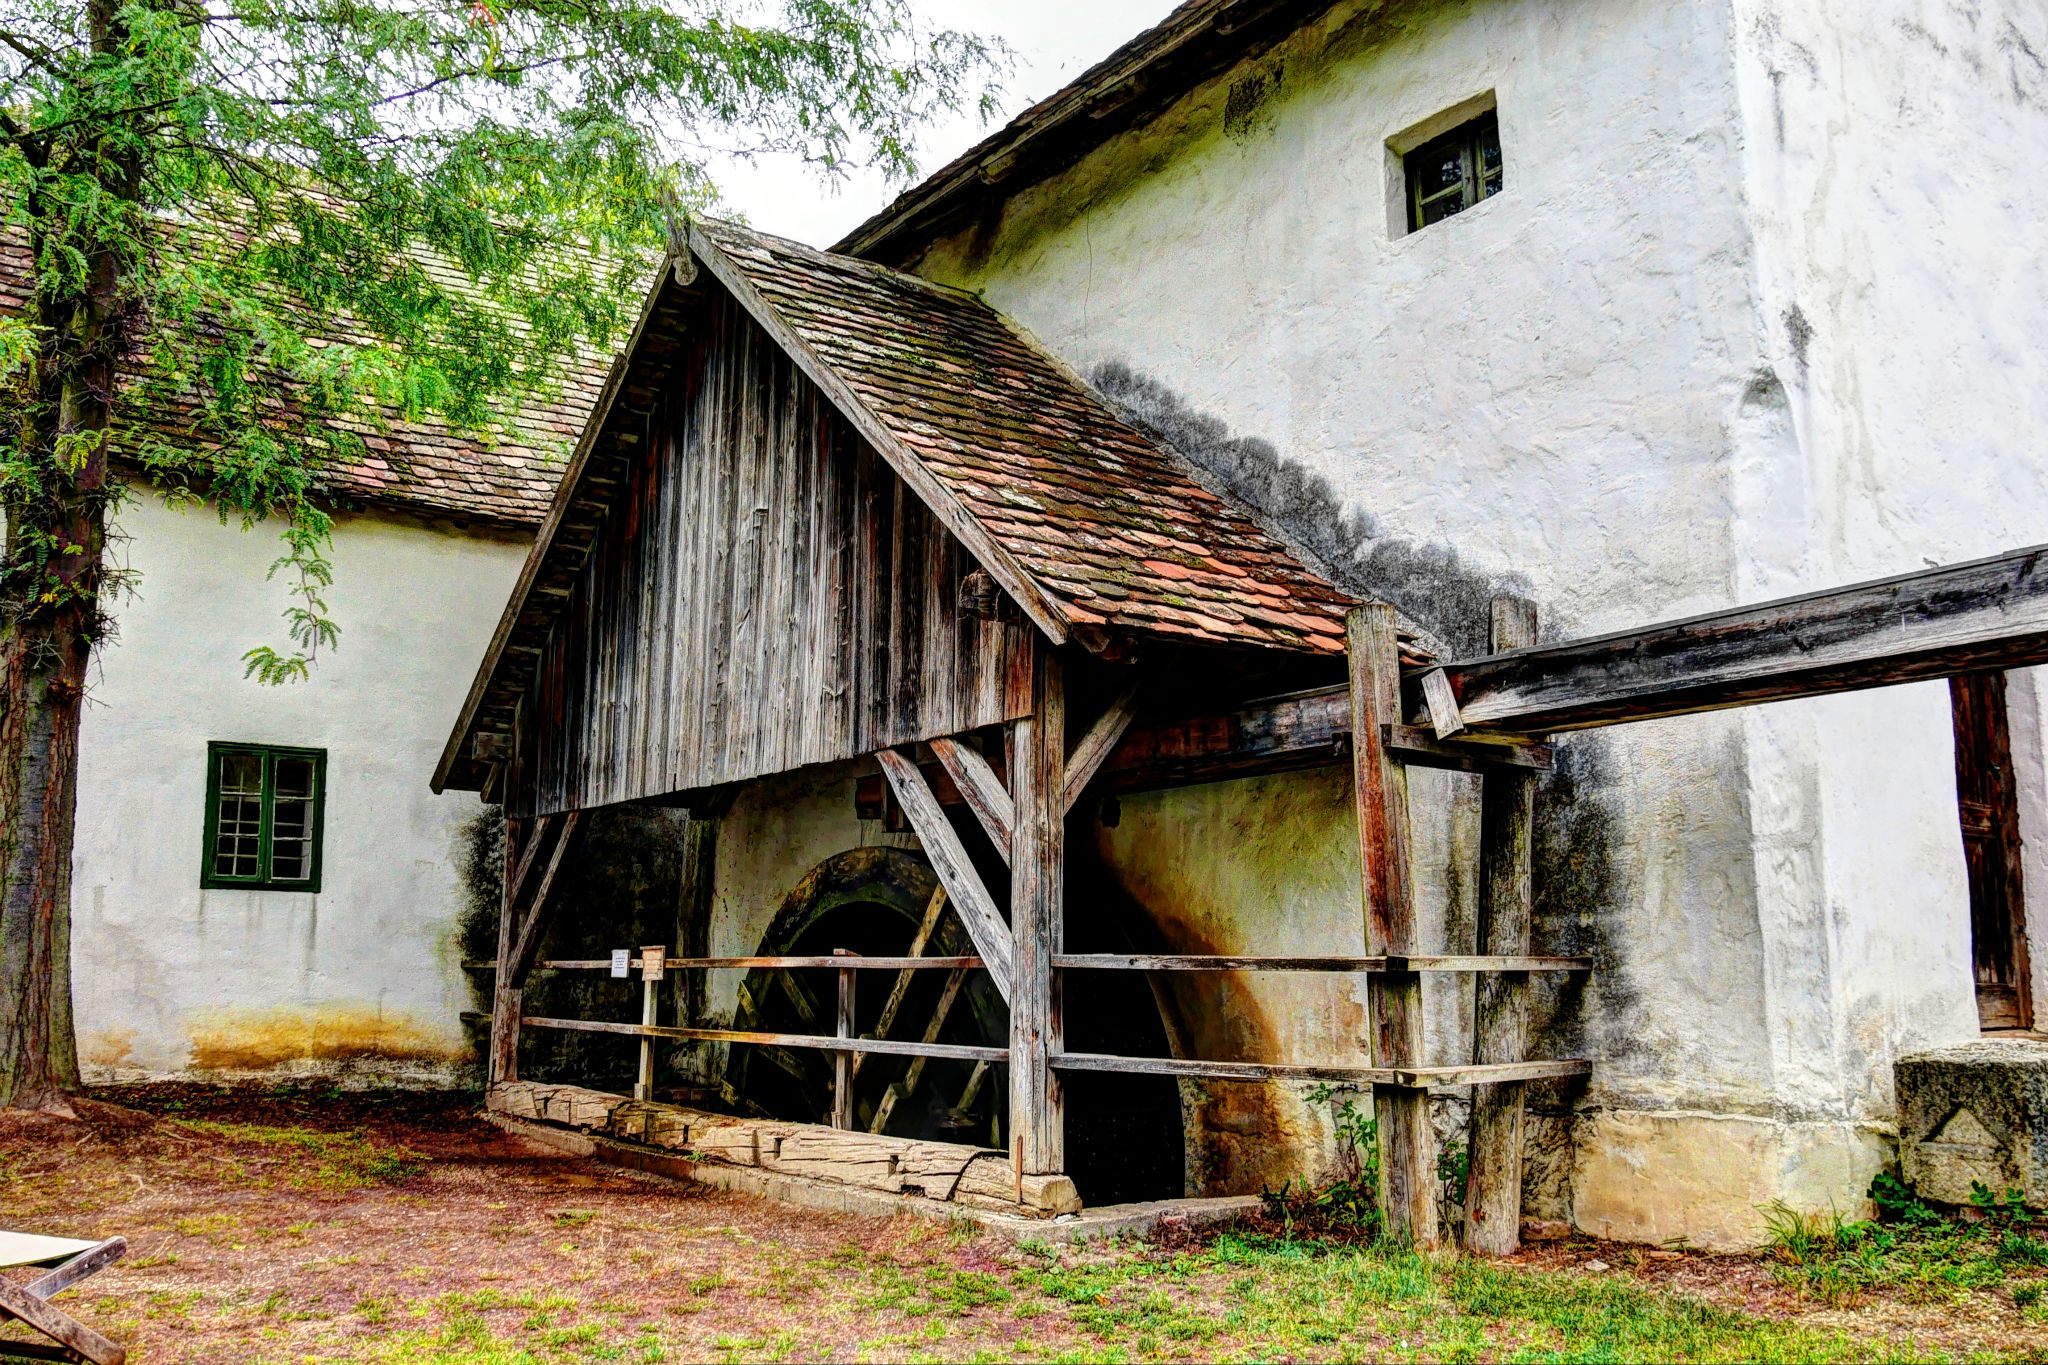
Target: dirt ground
327,1226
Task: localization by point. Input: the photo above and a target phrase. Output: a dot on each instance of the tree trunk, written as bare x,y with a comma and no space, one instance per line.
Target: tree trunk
56,544
51,611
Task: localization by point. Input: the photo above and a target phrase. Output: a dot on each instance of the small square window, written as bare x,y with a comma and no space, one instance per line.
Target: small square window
1451,173
263,815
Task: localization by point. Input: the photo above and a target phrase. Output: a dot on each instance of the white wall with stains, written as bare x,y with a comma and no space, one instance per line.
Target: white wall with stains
363,976
1754,314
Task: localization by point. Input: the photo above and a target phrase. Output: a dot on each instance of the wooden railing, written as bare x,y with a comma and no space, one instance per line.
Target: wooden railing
651,964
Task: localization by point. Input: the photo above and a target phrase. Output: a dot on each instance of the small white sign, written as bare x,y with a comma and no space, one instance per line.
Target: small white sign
621,962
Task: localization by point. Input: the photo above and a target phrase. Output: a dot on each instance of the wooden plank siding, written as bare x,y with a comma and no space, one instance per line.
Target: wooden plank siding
764,594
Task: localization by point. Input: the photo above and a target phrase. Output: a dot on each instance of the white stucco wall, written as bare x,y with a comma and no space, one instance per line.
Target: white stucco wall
1594,381
1898,252
363,975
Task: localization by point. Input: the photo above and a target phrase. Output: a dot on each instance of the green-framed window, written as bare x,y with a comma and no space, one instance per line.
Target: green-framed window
1451,173
264,808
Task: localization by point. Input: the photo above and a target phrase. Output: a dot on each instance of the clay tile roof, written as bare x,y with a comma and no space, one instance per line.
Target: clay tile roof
1110,527
507,480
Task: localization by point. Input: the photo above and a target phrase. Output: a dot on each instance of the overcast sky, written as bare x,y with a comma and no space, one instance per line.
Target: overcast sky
1054,41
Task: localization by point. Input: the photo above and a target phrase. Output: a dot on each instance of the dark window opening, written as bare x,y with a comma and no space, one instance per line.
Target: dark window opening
263,816
1451,173
1987,797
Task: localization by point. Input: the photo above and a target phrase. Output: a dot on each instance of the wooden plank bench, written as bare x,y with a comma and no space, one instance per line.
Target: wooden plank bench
29,1303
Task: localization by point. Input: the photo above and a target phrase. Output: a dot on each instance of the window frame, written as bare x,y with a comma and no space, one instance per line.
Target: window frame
211,880
1469,138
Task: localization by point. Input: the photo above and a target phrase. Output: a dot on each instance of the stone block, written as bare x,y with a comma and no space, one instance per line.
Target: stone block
1975,1112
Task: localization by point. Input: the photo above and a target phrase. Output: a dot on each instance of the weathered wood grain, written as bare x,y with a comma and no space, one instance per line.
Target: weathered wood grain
933,1170
1393,999
1962,618
1493,1183
954,1052
759,591
1101,740
971,900
1219,962
980,788
1398,1077
1038,752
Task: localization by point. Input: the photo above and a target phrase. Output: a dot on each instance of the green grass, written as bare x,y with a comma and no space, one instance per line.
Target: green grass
328,1161
1242,1298
1929,1259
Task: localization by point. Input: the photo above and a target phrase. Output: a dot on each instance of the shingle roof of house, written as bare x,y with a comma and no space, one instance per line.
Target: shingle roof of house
419,466
1113,530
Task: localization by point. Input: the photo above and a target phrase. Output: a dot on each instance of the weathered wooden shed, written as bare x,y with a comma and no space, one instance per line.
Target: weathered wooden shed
826,512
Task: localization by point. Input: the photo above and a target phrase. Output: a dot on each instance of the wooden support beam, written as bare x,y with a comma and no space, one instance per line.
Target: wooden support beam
1099,743
980,788
1934,623
1493,1182
1442,703
83,1266
505,997
1217,962
1038,753
1394,1000
58,1326
977,910
955,1052
907,1087
534,920
1414,1078
926,927
1468,753
842,1062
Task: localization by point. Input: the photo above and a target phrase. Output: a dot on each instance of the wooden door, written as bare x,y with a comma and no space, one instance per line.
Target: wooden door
1988,798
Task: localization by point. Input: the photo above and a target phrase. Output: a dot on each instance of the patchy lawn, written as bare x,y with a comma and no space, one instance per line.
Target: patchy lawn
294,1226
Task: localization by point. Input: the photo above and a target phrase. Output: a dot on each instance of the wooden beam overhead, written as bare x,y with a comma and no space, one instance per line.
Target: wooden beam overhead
1934,623
977,909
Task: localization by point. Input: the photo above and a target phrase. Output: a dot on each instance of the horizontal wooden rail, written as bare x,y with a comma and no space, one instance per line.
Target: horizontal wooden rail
958,1052
1415,1076
674,964
1932,623
1169,962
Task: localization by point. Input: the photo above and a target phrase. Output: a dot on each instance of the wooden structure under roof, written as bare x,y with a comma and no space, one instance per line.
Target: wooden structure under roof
826,511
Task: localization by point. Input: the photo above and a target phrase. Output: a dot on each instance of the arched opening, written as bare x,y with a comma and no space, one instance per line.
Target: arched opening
870,900
1124,1133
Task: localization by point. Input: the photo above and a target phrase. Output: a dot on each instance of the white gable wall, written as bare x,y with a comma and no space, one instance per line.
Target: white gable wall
1589,382
362,976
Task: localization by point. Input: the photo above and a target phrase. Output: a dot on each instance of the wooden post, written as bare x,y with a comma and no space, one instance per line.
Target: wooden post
1493,1181
1407,1146
842,1062
699,868
651,963
1038,745
505,997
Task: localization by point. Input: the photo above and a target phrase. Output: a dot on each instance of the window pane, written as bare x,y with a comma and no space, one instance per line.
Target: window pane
1439,169
291,840
1493,184
238,821
1442,209
1489,148
294,777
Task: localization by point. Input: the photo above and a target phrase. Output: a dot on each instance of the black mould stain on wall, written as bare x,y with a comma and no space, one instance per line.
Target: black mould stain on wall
621,889
1579,898
1432,583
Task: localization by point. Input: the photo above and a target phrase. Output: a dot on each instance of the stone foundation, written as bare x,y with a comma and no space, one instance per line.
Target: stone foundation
1975,1114
978,1177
